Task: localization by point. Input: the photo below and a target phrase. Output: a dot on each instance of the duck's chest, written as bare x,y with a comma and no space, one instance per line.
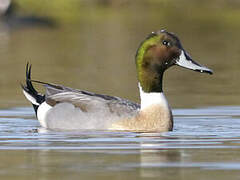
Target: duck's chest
153,118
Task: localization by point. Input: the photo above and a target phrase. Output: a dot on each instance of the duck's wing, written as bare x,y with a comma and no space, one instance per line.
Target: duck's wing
88,101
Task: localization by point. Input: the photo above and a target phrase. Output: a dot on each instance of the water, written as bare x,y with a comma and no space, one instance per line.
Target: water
93,48
205,144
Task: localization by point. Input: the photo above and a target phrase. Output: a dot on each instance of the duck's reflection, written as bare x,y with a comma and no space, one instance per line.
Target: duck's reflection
55,154
155,157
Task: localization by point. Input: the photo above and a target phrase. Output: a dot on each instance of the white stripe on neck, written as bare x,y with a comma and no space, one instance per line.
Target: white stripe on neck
152,98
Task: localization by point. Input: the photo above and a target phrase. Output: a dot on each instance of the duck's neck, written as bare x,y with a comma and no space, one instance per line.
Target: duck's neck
152,98
150,80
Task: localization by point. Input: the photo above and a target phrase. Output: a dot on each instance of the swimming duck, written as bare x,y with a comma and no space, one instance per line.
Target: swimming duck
65,108
11,19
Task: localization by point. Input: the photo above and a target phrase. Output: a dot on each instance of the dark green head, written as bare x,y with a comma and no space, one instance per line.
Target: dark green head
159,51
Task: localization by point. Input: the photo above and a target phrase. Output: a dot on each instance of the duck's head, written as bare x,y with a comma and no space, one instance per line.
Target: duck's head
159,51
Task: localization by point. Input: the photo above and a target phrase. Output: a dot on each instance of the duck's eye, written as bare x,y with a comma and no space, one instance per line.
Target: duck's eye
166,43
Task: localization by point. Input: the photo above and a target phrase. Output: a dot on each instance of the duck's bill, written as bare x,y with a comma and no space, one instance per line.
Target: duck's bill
186,61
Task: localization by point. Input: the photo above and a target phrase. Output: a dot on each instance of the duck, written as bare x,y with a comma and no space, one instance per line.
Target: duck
65,108
12,20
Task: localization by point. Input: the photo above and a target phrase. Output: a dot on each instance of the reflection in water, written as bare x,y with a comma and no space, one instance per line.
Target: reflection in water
96,53
149,158
204,140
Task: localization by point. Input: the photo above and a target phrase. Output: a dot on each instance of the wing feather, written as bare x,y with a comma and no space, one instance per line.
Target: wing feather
87,100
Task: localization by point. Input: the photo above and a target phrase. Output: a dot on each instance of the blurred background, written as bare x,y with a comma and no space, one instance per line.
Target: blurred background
91,45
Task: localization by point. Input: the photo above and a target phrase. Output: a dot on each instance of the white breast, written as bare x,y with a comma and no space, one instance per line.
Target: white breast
153,98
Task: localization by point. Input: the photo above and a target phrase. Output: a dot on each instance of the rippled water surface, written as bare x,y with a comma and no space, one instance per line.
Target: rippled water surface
92,47
205,144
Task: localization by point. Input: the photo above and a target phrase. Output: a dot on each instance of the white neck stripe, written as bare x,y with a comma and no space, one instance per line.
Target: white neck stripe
148,99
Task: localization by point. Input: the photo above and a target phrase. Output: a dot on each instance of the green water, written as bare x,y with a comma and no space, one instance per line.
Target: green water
93,48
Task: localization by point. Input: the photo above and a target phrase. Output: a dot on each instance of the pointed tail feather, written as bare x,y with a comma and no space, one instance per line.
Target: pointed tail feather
30,92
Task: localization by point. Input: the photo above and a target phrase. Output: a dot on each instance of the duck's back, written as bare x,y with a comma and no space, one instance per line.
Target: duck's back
66,108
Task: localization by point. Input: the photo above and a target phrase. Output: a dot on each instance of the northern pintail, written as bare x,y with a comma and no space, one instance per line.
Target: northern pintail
65,108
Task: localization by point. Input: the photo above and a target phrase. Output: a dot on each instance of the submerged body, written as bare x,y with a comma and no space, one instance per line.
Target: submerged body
65,108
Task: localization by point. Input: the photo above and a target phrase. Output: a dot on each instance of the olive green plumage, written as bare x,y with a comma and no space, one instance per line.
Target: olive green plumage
148,79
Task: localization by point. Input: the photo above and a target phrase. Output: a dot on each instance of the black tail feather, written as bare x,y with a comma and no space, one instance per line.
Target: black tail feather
31,90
